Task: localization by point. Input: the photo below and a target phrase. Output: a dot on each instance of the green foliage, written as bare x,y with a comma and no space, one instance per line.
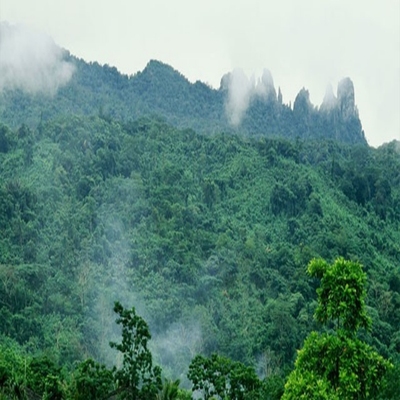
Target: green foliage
208,232
219,376
341,295
169,390
12,371
273,387
337,365
137,379
390,387
44,377
195,230
92,381
25,377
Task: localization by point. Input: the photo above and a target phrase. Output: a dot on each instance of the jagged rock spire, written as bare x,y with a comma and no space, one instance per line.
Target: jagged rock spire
330,100
302,103
346,99
265,86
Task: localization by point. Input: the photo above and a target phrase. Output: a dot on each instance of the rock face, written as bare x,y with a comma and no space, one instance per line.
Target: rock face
264,112
302,105
339,115
280,97
330,100
266,87
346,99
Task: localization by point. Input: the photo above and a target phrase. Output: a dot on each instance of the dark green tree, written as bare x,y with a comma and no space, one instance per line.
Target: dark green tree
45,378
92,381
220,376
137,379
337,365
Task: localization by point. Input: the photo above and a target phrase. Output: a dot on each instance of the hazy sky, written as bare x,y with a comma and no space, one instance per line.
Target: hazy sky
308,43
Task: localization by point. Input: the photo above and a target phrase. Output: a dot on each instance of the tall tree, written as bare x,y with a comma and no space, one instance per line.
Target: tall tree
137,379
337,364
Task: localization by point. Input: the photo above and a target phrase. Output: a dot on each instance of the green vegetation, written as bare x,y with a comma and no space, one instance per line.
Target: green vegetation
337,365
207,237
137,378
219,376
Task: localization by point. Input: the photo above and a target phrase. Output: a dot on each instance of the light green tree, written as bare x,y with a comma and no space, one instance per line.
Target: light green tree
336,364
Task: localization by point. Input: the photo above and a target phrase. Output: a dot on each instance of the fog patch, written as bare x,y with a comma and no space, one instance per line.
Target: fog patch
268,364
241,89
31,61
175,348
112,282
330,101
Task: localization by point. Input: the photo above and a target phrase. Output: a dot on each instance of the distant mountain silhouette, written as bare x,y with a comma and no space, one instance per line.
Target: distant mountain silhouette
159,90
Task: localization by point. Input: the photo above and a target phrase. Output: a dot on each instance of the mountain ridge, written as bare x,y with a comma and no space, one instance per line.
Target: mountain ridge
160,90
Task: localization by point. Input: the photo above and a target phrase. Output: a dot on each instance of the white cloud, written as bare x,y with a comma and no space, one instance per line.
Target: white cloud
31,61
241,89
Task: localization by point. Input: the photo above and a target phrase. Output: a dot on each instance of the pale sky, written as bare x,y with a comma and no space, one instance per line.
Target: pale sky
308,43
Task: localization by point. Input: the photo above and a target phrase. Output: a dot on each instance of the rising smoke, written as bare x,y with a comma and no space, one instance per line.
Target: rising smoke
31,61
241,90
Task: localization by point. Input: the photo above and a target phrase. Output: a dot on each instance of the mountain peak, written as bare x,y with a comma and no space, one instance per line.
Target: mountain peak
160,70
330,99
346,99
266,86
302,104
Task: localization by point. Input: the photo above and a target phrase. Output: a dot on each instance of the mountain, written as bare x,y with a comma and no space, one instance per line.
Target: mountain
135,189
161,91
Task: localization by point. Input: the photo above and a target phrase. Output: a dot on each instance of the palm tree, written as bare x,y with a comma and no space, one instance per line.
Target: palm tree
169,390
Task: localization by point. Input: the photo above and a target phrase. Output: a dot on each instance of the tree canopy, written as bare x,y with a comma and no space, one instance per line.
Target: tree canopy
207,236
337,364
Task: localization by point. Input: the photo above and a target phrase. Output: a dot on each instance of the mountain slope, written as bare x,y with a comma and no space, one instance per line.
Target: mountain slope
207,236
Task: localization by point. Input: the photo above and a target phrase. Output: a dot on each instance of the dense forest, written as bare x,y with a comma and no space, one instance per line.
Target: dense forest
206,233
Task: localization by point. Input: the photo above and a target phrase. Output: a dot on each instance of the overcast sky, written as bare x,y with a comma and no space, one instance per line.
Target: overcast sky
308,43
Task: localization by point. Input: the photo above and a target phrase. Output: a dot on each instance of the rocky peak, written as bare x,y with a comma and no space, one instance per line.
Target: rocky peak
330,100
302,103
346,99
265,86
280,98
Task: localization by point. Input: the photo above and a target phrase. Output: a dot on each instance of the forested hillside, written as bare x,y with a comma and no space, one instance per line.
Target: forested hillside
146,206
208,236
